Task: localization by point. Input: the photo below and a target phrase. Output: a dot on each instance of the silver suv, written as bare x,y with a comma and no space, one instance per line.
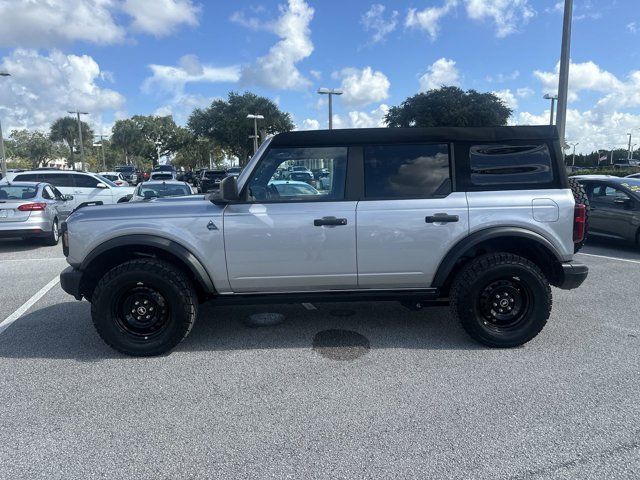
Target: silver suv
482,218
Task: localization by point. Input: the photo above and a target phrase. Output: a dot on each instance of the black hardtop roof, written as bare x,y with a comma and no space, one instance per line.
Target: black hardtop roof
413,135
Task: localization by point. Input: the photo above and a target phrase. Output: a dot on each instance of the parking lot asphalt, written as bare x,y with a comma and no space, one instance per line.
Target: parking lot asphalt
413,398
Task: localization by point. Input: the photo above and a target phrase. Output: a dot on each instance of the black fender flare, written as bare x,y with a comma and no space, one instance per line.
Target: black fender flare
451,258
161,243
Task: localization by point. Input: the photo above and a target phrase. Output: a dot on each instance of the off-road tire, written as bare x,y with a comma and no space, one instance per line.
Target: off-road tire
468,296
180,306
52,237
580,196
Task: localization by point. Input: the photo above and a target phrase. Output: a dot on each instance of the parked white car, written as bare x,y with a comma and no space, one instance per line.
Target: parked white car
160,175
86,188
115,177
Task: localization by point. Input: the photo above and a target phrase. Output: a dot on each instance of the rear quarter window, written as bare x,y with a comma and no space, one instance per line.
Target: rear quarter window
510,165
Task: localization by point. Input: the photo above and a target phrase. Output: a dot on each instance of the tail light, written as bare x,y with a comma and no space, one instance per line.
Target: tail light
119,183
579,222
32,207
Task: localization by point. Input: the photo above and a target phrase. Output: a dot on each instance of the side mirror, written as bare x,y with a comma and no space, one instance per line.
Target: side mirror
102,185
229,190
67,197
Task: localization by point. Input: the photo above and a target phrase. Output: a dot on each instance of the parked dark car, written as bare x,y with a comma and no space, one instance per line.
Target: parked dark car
127,171
615,207
210,180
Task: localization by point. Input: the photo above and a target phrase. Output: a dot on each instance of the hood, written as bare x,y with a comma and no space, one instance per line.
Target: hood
195,206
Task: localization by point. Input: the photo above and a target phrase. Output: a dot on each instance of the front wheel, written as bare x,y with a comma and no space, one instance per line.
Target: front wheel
501,300
144,307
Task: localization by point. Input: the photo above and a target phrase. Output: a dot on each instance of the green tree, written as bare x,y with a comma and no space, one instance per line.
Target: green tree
65,130
225,123
194,152
449,107
127,137
34,146
160,135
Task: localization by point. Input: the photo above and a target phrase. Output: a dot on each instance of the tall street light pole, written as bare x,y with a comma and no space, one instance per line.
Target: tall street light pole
574,145
565,54
78,113
553,99
102,137
3,159
331,92
255,119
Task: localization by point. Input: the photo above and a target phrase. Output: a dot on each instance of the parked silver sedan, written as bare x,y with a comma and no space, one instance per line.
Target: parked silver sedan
31,209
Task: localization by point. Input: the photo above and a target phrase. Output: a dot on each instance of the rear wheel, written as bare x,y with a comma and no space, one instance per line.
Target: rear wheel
501,299
144,307
580,196
53,236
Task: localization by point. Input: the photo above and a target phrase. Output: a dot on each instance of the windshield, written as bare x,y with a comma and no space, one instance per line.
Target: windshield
110,177
245,171
107,181
162,176
125,169
162,190
17,192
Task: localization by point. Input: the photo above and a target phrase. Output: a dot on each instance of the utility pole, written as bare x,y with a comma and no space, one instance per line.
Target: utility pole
553,99
78,113
255,118
563,84
629,148
3,158
158,143
331,92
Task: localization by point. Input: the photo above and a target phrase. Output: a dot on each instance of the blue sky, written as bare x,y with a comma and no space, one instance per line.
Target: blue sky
116,58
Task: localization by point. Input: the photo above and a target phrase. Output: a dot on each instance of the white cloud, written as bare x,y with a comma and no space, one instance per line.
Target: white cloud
442,72
167,78
508,98
525,92
50,23
590,130
47,23
309,124
43,87
182,105
429,18
582,76
277,69
374,21
503,77
361,119
507,15
161,17
363,87
632,27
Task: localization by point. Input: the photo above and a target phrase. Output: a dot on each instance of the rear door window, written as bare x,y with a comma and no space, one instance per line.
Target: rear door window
407,171
500,165
85,181
57,179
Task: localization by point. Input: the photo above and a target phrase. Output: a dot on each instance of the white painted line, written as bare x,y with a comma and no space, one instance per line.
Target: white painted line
31,259
309,306
610,258
28,304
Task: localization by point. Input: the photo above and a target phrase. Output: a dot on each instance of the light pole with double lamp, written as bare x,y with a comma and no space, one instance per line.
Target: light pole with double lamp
331,92
3,159
255,119
78,113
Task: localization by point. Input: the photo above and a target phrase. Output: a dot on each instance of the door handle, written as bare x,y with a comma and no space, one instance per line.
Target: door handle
442,218
329,221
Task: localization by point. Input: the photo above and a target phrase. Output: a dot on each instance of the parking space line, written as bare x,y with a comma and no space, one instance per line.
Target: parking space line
610,258
31,259
28,304
309,306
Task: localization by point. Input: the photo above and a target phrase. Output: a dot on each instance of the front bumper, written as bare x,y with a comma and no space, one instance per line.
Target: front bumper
573,274
70,280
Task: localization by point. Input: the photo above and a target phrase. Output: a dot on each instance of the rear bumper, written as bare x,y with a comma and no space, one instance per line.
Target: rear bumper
28,230
70,279
573,274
